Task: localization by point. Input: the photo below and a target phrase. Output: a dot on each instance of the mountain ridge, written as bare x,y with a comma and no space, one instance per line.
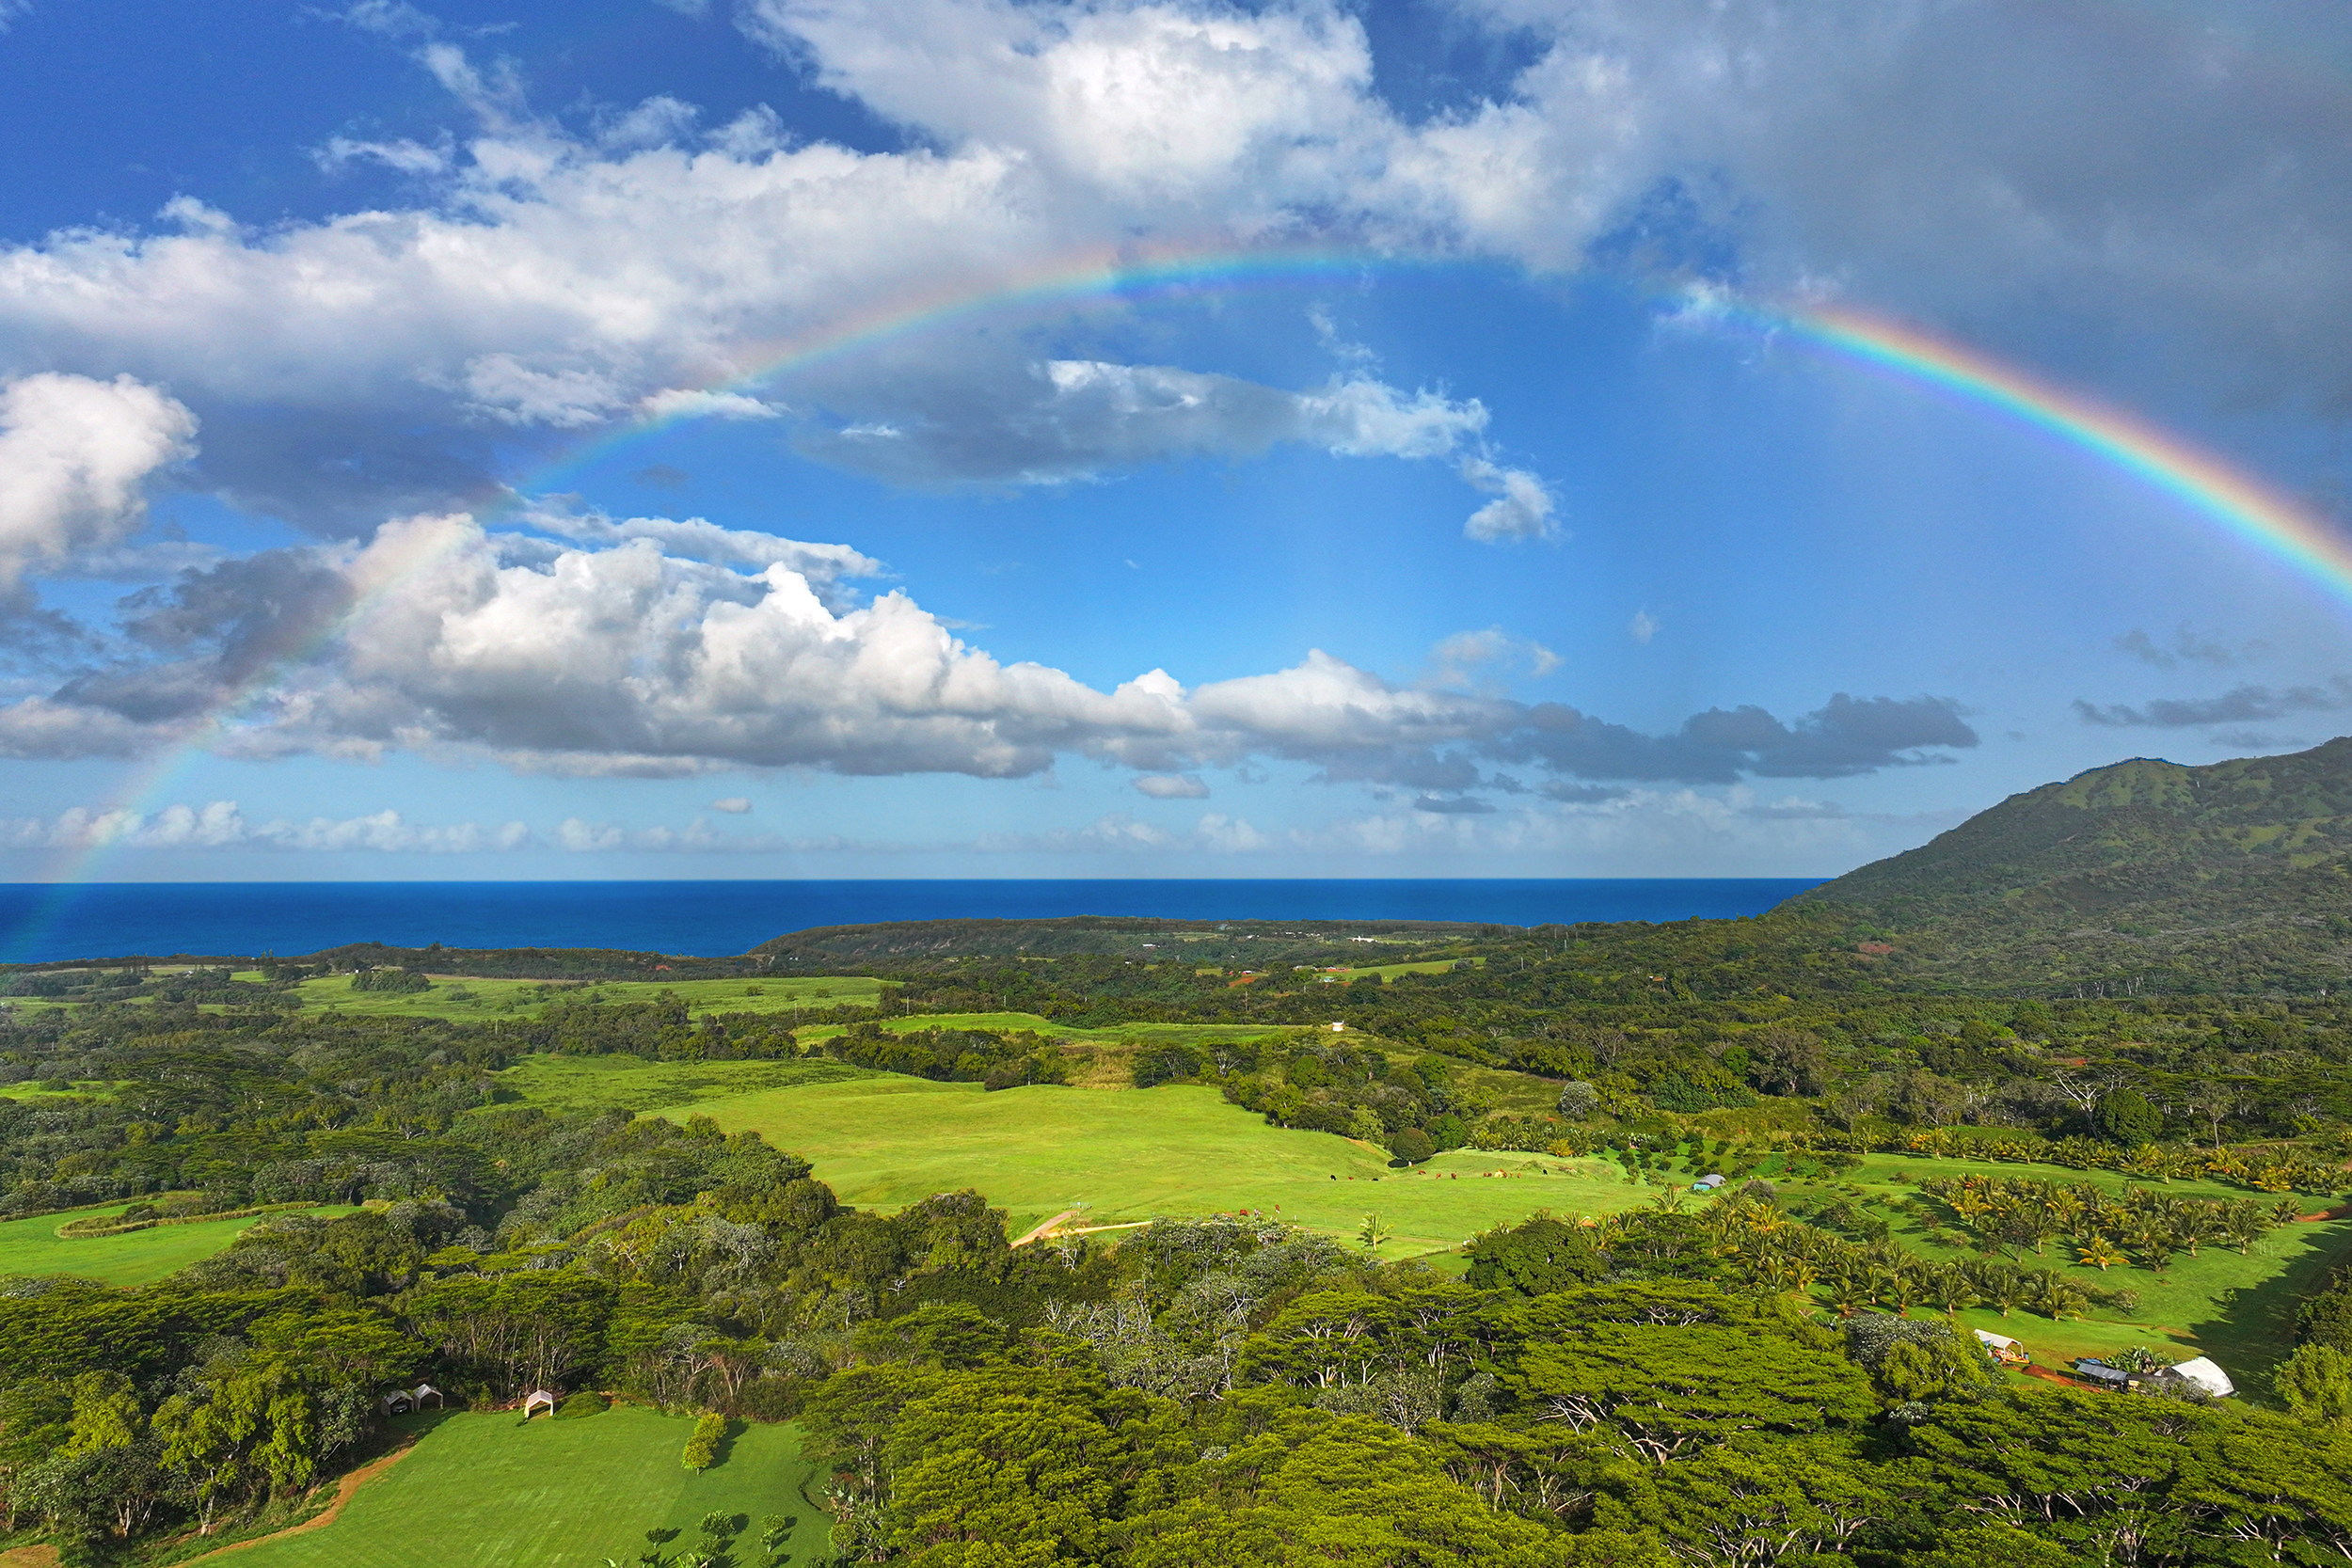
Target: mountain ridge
2144,873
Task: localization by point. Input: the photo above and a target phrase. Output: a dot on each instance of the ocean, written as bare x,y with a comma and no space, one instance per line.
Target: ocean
42,923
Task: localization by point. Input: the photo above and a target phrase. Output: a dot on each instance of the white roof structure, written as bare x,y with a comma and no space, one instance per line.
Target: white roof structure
1711,1178
2202,1374
1997,1341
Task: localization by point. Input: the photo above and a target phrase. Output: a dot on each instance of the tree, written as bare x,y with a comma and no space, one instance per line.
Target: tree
2099,1253
1372,1233
1578,1100
2126,1117
1412,1146
2317,1383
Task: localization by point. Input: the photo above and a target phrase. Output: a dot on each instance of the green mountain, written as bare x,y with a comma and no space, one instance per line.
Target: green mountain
2143,878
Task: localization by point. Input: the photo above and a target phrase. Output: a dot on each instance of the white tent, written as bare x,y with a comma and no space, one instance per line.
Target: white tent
2202,1374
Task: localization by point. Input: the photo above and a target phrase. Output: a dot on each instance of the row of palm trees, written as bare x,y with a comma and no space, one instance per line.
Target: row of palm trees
2143,1224
2266,1167
1774,1250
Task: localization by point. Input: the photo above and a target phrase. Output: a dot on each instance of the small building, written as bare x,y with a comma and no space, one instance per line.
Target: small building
400,1402
2093,1371
2203,1375
2008,1351
1707,1183
537,1401
1339,1028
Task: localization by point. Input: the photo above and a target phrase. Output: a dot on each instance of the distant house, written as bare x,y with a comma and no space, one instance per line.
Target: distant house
2008,1351
400,1402
1339,1028
2201,1376
1707,1183
537,1401
2092,1369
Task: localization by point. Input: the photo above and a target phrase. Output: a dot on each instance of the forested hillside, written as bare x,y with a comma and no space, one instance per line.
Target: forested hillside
2143,876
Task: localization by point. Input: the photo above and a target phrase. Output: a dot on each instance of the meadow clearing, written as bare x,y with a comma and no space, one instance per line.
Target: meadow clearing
884,1141
488,1491
136,1257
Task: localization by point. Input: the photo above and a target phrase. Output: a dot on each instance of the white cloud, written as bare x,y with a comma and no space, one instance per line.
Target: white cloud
552,281
1522,509
220,824
74,458
699,539
734,805
1461,658
1172,786
1642,627
403,155
683,402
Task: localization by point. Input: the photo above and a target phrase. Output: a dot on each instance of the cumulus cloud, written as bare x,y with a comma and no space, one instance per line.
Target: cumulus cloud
2240,705
76,455
1522,509
734,805
442,638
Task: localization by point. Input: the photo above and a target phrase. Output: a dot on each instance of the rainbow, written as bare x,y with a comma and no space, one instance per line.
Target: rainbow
2209,486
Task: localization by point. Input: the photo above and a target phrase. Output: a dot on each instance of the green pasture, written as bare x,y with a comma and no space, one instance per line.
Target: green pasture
136,1258
2237,1309
83,1088
625,1082
885,1141
490,1491
461,997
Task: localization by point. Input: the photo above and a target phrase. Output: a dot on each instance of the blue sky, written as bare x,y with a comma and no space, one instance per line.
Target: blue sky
393,480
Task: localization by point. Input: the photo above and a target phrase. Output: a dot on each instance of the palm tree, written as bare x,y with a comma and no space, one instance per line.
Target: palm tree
1372,1233
2099,1252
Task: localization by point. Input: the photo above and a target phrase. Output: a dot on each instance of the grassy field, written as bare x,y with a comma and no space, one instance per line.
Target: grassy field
460,997
884,1141
485,1491
2237,1309
33,1247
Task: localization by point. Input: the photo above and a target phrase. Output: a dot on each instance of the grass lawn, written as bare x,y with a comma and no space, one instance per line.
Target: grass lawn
456,996
486,1490
2237,1309
885,1141
33,1247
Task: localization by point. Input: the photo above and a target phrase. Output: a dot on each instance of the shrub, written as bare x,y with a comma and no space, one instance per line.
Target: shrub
702,1449
1412,1146
586,1403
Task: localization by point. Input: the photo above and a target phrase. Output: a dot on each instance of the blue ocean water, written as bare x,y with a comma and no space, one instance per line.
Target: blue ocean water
42,923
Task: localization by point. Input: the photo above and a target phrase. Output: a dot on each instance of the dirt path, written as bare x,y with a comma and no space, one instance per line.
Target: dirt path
343,1489
1039,1232
2048,1377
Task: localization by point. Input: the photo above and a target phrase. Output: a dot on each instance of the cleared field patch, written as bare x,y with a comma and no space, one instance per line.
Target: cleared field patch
464,997
623,1082
33,1247
486,1490
885,1141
